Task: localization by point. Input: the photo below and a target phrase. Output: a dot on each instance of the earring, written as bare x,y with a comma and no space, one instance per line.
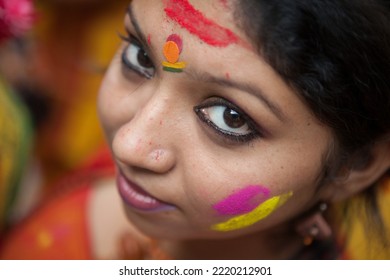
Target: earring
314,226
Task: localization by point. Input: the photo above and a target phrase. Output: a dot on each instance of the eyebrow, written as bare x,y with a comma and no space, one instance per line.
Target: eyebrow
247,87
208,78
137,28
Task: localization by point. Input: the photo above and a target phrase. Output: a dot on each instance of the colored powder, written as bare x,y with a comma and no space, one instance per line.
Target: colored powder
242,201
177,65
173,70
182,12
171,51
259,213
175,38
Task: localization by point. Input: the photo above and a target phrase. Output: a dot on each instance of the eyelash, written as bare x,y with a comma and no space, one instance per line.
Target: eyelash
133,41
232,137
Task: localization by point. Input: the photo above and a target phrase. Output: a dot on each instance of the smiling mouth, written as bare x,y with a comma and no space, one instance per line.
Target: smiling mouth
138,199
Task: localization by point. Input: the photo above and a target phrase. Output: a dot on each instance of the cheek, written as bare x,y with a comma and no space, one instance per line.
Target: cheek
108,98
247,206
103,105
117,102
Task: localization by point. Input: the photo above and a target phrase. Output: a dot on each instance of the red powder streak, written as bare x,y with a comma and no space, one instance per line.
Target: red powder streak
182,12
149,39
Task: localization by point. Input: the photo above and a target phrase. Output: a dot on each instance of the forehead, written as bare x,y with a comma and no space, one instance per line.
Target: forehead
211,22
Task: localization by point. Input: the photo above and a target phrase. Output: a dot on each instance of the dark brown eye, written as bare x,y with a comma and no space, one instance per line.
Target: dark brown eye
233,119
137,59
144,60
226,119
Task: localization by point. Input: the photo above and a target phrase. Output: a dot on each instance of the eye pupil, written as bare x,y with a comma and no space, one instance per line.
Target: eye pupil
144,60
233,119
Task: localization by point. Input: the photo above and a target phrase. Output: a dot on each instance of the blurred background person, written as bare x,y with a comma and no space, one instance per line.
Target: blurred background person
16,18
54,72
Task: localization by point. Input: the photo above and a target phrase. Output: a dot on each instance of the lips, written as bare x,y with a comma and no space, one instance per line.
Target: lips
134,196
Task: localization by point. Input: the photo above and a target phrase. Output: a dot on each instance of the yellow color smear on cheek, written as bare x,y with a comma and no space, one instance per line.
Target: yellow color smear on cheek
259,213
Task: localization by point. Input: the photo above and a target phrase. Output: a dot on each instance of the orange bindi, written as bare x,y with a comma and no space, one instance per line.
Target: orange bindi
171,51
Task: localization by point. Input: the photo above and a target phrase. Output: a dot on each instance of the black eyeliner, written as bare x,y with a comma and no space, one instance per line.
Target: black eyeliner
131,40
236,138
256,130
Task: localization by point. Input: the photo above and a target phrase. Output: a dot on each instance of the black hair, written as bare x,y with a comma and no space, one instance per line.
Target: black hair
335,54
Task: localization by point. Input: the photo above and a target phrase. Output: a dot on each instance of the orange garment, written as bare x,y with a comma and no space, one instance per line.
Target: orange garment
59,228
58,231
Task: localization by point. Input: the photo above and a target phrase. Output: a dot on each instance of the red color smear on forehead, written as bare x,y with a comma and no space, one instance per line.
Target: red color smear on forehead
182,12
242,201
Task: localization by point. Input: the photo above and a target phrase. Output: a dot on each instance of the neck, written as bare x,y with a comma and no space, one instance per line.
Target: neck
272,245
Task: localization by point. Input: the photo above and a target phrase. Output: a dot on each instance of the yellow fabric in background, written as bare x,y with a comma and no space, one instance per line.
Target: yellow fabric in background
363,243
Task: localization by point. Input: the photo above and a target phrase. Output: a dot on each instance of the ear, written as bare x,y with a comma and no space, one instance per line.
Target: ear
358,179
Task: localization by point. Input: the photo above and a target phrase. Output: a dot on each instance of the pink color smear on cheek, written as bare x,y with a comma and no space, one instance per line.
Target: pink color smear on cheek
182,12
242,201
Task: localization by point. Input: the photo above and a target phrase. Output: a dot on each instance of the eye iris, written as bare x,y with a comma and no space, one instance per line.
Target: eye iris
144,60
233,119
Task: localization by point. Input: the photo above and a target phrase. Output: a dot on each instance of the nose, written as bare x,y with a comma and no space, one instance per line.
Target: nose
146,140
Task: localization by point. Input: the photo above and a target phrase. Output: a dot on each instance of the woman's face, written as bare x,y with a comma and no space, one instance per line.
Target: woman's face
208,140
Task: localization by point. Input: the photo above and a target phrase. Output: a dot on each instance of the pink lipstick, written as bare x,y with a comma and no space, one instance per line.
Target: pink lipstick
134,196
